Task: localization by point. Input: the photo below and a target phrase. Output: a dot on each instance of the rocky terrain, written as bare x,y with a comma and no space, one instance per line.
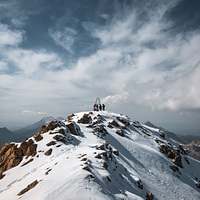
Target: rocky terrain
190,142
98,155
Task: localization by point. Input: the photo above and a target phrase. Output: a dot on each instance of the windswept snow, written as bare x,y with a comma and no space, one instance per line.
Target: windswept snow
139,168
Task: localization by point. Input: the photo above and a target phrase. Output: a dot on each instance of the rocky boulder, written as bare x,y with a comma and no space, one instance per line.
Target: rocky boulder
73,128
86,119
114,123
38,137
30,186
123,121
48,152
178,161
149,196
51,126
11,155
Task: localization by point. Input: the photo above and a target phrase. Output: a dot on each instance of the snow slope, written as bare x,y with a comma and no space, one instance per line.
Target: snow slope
108,157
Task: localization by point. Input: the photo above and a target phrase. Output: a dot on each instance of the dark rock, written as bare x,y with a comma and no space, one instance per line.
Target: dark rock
51,126
1,175
182,149
59,138
48,171
116,152
11,158
70,117
149,196
62,131
48,152
178,161
171,154
139,184
158,141
186,160
5,147
37,137
42,129
120,132
174,168
73,129
145,132
101,147
87,168
198,185
101,129
30,186
109,179
86,119
105,165
51,143
109,126
98,156
123,121
24,145
114,123
27,162
162,135
31,150
83,159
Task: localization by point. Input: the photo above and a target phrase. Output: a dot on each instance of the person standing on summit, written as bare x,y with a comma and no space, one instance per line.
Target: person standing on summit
100,107
103,106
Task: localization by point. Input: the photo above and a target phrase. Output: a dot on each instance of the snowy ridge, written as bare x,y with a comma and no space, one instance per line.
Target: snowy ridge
102,155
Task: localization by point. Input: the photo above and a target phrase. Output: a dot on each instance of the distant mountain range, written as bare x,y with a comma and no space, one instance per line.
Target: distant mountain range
23,133
166,132
6,135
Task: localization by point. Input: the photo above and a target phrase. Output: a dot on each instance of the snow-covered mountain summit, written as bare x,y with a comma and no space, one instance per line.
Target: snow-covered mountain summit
98,155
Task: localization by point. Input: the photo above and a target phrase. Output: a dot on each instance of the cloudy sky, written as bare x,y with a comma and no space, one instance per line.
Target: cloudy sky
142,58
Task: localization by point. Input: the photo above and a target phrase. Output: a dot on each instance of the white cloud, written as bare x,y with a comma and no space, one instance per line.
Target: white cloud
30,112
33,61
64,38
10,36
137,63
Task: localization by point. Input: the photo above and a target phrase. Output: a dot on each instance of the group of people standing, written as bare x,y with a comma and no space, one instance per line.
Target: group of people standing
99,107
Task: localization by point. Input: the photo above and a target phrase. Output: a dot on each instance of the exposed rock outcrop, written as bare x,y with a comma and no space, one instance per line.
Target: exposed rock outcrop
70,117
120,132
178,161
114,123
123,121
11,155
59,138
51,143
48,152
86,119
27,162
73,128
37,137
149,196
174,168
30,186
170,153
51,126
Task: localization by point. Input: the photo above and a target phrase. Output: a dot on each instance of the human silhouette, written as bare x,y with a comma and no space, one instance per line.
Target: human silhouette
97,107
103,106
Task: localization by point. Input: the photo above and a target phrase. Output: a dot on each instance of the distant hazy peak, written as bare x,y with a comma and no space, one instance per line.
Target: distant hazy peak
148,123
